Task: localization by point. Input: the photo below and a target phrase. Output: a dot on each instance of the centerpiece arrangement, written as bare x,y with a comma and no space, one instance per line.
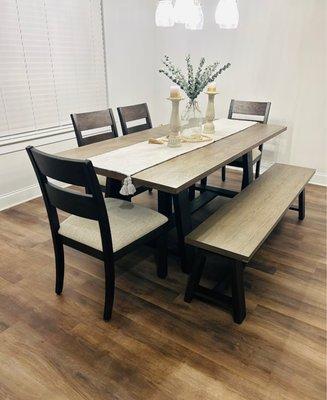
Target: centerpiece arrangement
193,83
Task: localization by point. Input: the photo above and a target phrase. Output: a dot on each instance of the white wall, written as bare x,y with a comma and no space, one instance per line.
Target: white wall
130,47
278,53
17,179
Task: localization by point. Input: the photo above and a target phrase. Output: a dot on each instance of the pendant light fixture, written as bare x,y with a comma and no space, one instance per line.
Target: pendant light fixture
165,14
195,17
190,13
227,15
181,10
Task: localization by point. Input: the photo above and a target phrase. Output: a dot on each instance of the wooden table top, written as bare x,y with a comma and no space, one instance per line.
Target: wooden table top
179,173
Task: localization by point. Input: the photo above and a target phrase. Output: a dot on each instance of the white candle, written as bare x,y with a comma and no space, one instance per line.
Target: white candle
175,92
212,87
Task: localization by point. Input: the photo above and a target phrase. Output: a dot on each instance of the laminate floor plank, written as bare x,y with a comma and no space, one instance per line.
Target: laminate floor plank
156,346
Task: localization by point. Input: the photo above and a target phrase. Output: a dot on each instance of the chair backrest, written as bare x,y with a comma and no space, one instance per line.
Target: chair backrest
88,204
134,113
252,110
94,120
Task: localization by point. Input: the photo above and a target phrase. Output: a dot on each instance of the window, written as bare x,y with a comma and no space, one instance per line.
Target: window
52,63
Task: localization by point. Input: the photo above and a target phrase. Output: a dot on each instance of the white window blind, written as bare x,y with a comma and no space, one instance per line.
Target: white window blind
52,62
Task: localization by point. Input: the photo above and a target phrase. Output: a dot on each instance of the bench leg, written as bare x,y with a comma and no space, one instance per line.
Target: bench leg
194,277
302,205
238,296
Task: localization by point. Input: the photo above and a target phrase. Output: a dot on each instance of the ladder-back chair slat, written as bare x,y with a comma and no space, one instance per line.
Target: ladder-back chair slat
134,113
83,122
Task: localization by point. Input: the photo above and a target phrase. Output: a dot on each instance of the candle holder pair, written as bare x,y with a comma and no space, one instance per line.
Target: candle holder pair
174,138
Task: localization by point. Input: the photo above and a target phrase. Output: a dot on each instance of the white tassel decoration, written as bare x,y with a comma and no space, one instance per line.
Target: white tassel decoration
128,189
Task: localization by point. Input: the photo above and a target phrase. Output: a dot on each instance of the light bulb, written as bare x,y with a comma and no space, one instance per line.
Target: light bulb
180,10
227,15
195,19
165,13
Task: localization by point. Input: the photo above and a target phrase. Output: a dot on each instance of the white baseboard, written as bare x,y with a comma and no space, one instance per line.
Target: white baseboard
19,196
319,178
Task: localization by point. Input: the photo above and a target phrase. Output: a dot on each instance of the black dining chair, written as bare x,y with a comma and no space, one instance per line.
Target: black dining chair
130,114
85,122
247,111
103,228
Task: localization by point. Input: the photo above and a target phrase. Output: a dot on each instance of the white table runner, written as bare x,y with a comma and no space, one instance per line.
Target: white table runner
140,156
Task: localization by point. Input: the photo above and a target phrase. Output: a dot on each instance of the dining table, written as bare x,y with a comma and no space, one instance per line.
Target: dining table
174,178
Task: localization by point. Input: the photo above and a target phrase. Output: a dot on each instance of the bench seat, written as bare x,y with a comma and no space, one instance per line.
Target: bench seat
239,227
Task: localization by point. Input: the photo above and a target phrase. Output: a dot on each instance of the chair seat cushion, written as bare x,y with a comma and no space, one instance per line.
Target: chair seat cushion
102,180
128,222
256,153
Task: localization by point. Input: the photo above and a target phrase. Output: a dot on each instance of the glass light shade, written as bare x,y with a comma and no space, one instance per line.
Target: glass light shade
180,10
227,15
165,13
194,19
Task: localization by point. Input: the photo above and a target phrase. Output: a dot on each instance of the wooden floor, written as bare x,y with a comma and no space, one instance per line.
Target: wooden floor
157,346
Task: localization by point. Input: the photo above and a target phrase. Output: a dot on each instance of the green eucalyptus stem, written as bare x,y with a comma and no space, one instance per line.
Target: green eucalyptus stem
192,83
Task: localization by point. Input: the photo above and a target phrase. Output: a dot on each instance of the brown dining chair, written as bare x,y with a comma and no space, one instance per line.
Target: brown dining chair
84,122
134,113
105,228
252,111
247,111
87,121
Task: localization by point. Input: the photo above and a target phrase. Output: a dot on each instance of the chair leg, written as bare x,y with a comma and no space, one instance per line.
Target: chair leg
257,169
195,276
109,270
60,265
223,174
107,190
238,296
302,205
161,256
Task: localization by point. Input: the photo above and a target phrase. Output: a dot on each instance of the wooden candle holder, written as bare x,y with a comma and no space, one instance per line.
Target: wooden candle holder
209,126
174,139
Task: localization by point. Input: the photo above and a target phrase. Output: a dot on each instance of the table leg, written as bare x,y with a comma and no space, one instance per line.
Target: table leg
183,227
165,204
247,169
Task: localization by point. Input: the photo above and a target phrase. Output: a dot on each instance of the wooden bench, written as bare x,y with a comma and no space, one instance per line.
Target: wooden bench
239,227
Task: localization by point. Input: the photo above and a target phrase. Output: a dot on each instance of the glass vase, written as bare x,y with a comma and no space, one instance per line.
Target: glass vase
192,118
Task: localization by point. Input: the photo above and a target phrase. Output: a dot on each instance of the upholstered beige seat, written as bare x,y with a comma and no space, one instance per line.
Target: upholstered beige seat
128,222
102,180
